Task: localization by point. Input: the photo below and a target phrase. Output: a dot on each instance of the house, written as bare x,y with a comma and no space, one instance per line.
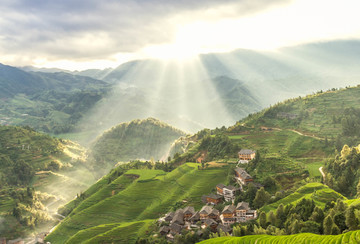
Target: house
211,223
169,216
164,230
224,228
219,189
195,218
251,214
214,199
229,193
205,211
246,154
214,214
242,176
188,212
178,217
228,215
244,213
175,229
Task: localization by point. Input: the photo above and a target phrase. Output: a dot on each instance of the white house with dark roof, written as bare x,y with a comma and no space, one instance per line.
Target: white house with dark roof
244,213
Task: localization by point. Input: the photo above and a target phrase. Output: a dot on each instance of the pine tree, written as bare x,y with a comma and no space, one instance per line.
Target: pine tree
328,223
335,230
272,218
351,221
280,216
295,227
261,198
262,220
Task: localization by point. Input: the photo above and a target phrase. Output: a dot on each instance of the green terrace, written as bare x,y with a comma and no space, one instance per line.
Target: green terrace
137,195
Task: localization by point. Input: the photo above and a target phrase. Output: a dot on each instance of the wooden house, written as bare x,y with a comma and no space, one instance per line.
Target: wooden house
214,199
246,154
211,223
188,212
219,189
242,176
228,215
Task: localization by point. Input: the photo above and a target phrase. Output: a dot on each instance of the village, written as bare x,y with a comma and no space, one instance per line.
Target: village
173,223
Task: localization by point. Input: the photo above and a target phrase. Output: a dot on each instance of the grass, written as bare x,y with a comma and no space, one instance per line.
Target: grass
320,109
315,191
145,198
352,237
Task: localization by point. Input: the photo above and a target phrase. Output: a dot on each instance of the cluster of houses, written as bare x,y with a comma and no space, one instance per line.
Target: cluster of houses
209,216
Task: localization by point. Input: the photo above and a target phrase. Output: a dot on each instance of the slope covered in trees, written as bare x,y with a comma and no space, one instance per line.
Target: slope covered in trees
33,169
138,139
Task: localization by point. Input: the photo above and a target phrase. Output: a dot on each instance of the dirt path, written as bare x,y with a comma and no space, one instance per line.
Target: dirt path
302,134
322,172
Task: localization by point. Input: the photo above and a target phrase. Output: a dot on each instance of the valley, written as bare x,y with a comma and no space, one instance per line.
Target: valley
100,155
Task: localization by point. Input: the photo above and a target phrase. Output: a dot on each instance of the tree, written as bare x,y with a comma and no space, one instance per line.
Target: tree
280,216
250,193
295,227
328,223
261,198
262,220
351,221
310,227
335,230
272,218
317,215
340,221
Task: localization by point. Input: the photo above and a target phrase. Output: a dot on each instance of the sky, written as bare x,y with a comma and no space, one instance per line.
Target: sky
79,34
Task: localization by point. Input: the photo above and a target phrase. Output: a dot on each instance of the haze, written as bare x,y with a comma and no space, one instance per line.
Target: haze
78,35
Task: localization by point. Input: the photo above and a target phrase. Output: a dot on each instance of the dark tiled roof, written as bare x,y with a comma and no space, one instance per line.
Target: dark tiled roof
229,209
175,227
164,229
214,196
195,217
221,186
224,228
232,188
246,151
209,222
215,212
189,210
242,206
206,209
243,174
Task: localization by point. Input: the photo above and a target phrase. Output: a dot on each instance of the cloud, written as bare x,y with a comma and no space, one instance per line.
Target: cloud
86,30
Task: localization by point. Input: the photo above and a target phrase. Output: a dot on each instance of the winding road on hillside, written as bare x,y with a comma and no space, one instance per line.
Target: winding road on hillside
322,172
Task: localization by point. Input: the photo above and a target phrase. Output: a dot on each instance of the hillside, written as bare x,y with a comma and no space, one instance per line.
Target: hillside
351,237
326,114
49,102
117,200
36,176
138,139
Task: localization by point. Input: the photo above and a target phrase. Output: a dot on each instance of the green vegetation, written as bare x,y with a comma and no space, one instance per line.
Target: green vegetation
329,115
138,139
139,195
343,172
351,237
33,167
48,102
319,193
